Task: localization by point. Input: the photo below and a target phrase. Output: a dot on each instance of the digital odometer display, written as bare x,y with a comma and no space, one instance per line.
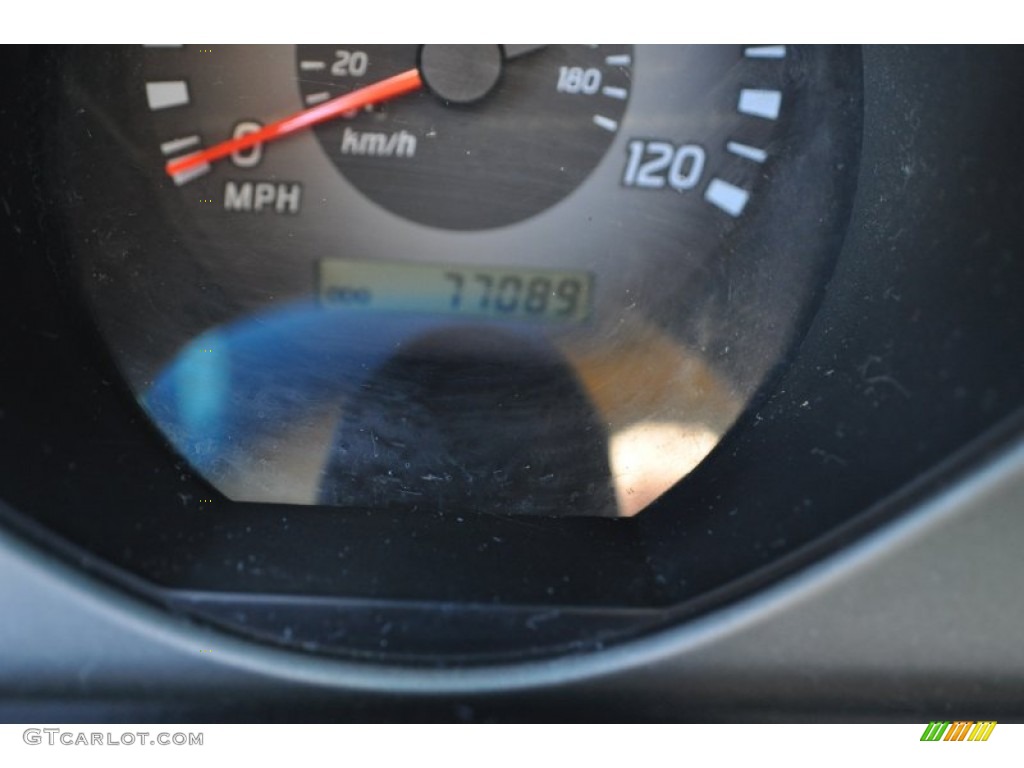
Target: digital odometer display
500,292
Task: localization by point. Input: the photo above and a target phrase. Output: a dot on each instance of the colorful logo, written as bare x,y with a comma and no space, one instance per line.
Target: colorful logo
961,730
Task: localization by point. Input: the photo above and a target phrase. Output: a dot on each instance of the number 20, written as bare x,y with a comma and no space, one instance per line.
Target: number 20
350,63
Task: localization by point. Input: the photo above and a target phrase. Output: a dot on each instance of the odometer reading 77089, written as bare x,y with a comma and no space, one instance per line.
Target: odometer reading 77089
500,292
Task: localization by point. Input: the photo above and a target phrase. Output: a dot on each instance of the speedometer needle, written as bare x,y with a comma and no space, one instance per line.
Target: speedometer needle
382,90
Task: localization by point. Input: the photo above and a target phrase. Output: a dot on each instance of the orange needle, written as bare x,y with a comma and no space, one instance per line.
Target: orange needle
375,93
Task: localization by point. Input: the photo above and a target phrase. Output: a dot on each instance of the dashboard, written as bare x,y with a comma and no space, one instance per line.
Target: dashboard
512,381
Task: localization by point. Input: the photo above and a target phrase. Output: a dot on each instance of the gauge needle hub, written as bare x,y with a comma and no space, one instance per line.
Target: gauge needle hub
375,93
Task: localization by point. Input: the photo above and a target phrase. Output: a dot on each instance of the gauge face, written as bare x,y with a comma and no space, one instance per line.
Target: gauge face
509,279
506,136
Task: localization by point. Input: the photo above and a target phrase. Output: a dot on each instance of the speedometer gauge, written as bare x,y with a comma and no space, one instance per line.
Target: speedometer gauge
508,131
525,279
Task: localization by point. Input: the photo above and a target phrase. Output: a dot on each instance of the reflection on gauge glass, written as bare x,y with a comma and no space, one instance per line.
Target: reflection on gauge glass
529,279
